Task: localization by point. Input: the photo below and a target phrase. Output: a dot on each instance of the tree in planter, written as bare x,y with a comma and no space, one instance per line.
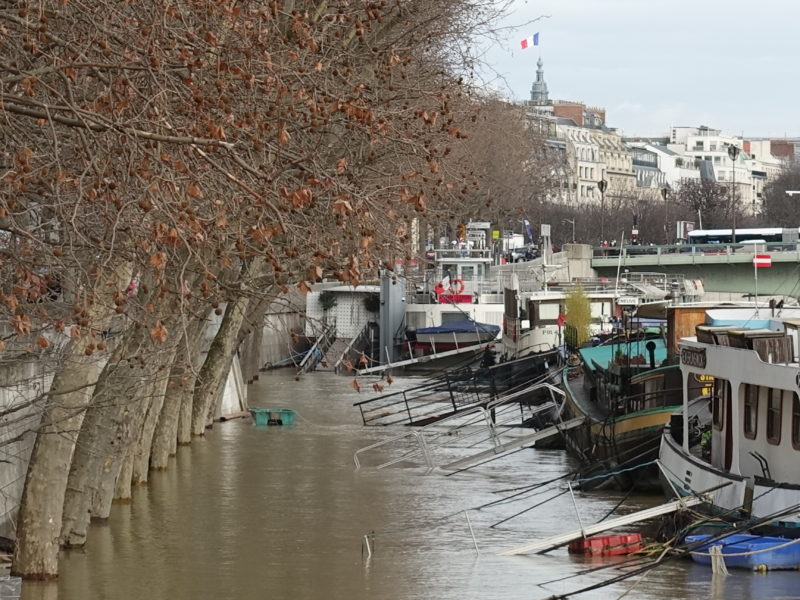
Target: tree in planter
328,300
372,302
579,313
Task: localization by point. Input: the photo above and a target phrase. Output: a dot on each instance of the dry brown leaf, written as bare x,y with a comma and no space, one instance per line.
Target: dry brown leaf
158,333
22,324
159,260
194,191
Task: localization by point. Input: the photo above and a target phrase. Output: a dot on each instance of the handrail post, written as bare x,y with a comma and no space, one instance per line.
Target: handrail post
575,504
472,533
450,390
420,435
408,408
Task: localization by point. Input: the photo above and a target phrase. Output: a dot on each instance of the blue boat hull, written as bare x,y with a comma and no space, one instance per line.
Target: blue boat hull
750,551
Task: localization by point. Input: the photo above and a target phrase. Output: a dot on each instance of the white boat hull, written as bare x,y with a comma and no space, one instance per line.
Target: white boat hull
684,474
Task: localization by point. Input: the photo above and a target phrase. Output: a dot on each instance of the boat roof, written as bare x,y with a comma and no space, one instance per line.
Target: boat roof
465,326
604,355
761,318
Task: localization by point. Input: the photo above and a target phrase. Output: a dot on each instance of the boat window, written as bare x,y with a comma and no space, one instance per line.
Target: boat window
722,392
467,273
774,416
452,317
750,411
795,420
548,313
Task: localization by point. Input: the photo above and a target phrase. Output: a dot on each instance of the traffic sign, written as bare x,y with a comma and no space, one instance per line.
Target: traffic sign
762,260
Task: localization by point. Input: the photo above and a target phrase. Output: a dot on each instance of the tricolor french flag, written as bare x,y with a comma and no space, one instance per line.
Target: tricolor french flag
530,41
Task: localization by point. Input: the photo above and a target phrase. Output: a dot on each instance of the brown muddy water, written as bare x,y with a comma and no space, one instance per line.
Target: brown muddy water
280,513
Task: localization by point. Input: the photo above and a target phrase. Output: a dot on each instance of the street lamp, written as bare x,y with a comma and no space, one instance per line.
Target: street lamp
665,195
573,227
733,152
602,185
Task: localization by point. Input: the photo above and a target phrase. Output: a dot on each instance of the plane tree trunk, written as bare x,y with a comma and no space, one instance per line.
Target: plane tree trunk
181,383
39,520
211,379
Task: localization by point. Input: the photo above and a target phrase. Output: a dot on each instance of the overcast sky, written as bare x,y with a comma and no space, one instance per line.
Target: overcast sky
732,65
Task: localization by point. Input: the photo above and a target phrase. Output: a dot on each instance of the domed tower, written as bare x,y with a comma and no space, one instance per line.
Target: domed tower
539,87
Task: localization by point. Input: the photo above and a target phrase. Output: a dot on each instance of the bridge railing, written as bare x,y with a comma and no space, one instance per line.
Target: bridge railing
693,249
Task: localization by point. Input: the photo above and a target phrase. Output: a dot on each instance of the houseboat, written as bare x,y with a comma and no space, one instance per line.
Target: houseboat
626,390
738,443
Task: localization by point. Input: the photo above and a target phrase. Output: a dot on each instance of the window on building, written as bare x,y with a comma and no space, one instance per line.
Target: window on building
712,147
592,175
590,192
750,411
580,172
774,403
717,160
795,420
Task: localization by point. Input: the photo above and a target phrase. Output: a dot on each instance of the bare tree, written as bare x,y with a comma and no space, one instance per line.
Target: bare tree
779,208
163,160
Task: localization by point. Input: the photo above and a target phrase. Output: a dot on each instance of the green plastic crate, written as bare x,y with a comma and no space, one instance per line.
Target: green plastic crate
272,416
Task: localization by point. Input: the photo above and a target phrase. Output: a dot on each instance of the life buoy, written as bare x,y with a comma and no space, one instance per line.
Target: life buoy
456,286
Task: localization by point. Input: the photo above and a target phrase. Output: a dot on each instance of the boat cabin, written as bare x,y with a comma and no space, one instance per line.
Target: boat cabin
753,378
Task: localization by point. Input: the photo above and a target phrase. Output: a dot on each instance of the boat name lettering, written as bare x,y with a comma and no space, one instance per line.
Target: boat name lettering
694,357
627,301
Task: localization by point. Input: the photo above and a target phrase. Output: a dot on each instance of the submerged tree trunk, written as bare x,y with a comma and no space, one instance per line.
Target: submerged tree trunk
181,382
184,437
39,521
122,490
141,450
100,446
212,376
119,406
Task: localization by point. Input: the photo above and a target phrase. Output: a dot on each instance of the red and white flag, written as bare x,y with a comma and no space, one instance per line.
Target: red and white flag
530,41
762,260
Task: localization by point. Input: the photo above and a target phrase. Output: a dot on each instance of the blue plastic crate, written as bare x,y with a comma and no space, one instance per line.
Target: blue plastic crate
272,416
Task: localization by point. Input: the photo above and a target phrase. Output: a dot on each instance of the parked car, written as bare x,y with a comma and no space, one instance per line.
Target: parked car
523,253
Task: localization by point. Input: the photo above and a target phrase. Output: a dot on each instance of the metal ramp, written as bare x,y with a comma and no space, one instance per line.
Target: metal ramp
458,390
317,352
546,544
467,428
520,442
332,355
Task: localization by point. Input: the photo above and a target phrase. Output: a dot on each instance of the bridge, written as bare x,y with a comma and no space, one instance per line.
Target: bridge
722,267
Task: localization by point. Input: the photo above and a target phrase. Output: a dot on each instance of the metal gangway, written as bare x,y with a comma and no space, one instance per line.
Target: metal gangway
317,352
474,427
456,391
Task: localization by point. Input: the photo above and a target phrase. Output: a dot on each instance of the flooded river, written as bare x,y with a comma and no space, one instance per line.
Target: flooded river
281,513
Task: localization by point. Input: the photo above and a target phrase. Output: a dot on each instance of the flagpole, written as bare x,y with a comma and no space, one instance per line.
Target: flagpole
755,275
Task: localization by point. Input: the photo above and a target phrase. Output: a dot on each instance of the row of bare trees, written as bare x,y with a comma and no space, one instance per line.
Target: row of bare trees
166,160
707,204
